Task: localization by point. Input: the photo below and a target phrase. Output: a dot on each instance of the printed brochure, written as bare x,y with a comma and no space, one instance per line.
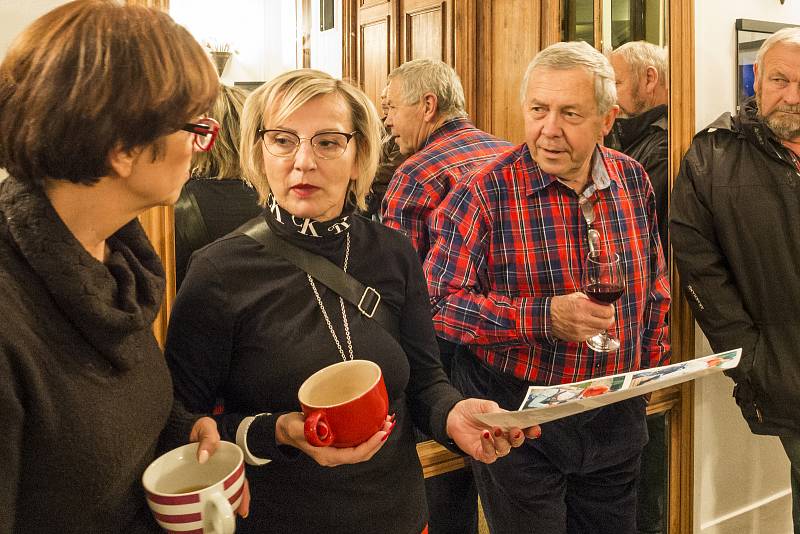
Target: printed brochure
548,403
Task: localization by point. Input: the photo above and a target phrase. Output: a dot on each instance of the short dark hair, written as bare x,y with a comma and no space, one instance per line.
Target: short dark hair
93,75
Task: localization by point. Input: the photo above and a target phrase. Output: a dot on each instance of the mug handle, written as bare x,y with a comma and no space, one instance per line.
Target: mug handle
317,430
218,515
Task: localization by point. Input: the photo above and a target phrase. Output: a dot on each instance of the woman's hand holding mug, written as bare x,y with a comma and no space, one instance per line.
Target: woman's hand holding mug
204,431
345,414
290,430
483,443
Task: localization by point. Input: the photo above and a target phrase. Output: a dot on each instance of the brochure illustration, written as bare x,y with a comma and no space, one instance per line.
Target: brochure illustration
548,403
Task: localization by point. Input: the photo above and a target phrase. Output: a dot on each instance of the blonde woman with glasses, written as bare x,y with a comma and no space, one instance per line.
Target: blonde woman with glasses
249,327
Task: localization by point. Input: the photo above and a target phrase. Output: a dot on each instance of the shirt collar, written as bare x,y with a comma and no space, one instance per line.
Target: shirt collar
603,175
448,127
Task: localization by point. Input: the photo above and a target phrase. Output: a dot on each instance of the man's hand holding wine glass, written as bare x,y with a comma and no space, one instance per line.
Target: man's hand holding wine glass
575,317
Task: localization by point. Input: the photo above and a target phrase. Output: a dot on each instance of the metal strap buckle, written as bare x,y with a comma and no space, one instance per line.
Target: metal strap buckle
365,296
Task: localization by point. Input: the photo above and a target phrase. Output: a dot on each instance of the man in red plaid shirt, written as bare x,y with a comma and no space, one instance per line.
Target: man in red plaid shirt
427,116
505,271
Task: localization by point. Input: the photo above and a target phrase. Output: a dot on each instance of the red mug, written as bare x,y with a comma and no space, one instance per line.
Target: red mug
344,403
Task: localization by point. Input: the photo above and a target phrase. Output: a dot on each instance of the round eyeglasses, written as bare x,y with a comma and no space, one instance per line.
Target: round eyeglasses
326,145
205,133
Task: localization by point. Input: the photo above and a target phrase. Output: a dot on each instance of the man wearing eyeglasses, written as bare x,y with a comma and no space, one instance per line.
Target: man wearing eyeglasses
427,117
511,244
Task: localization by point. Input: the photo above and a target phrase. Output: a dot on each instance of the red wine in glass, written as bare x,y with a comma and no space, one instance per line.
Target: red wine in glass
603,283
604,293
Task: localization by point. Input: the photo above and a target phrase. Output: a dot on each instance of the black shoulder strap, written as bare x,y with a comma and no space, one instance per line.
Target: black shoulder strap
366,299
190,226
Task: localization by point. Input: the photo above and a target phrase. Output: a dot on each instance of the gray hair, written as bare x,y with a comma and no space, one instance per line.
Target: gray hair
572,55
639,55
422,76
790,36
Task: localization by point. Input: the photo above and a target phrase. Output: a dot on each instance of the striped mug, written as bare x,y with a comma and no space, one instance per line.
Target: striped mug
187,497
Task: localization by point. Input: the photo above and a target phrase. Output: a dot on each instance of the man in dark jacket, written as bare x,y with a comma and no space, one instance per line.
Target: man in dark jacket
391,158
641,133
640,69
735,230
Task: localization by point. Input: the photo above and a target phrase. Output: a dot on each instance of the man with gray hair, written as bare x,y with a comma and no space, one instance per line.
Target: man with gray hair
735,231
427,115
641,72
642,95
428,119
505,274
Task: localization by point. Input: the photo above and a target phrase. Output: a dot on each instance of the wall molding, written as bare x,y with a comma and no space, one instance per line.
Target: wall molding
747,509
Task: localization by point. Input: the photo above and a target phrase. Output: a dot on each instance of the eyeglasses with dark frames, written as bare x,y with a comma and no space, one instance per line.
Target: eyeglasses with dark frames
205,133
326,145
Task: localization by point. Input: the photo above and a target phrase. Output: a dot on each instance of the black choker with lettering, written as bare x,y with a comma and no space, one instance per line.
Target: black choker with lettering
306,227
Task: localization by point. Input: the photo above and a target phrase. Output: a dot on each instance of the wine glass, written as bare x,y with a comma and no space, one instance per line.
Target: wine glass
603,283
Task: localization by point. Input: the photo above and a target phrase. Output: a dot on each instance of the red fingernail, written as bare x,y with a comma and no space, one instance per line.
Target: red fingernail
517,435
498,432
486,434
538,433
384,438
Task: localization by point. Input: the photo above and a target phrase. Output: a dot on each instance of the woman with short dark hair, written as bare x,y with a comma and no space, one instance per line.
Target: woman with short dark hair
100,111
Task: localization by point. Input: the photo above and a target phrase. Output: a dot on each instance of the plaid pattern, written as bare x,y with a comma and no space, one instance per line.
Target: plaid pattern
509,237
421,183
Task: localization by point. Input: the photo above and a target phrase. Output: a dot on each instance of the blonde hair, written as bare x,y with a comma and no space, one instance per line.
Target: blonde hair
223,160
276,100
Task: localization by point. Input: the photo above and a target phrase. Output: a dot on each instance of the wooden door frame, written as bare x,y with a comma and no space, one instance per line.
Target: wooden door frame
682,325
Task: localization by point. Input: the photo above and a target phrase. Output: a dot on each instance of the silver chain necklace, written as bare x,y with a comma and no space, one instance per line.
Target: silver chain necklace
341,303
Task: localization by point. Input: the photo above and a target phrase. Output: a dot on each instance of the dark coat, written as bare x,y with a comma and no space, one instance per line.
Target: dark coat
735,230
645,139
390,160
84,389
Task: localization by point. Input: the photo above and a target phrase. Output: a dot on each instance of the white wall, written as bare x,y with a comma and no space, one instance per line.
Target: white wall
741,480
261,31
14,17
326,47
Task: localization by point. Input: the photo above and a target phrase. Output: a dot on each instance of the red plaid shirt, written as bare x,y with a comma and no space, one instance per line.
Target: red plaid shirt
510,237
420,184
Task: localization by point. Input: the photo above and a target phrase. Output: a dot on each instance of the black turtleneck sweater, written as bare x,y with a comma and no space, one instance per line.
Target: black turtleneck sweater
84,390
246,329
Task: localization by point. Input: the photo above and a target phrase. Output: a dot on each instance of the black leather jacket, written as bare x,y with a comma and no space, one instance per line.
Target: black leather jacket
735,231
645,139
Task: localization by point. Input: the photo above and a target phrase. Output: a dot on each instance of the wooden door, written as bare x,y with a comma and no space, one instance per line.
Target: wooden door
510,34
427,30
376,44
